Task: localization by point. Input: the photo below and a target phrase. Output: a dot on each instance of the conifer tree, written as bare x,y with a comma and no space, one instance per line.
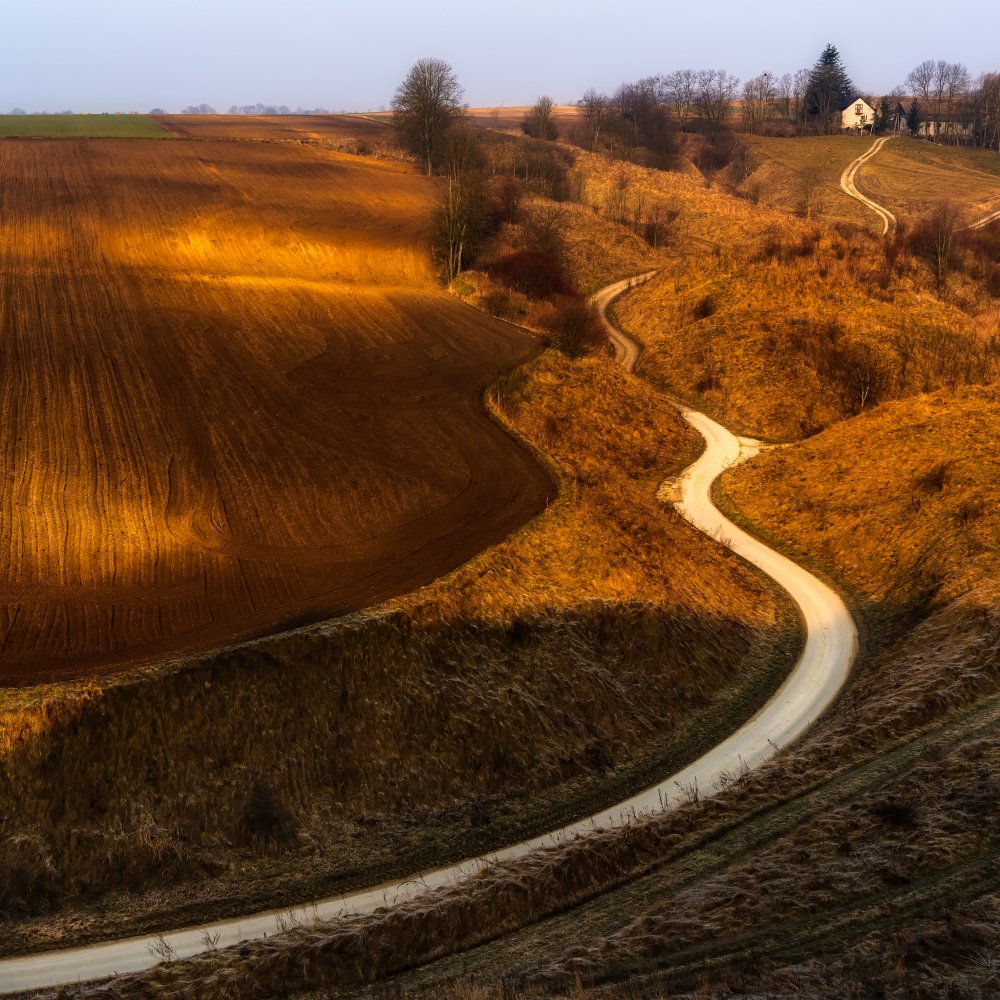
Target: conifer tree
830,89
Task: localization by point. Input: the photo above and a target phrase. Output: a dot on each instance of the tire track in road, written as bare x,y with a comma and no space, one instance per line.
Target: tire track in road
811,687
848,185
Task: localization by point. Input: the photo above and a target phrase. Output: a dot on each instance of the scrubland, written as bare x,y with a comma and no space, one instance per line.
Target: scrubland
809,325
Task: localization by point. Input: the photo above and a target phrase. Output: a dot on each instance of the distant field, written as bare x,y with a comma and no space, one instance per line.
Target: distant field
261,127
81,127
908,176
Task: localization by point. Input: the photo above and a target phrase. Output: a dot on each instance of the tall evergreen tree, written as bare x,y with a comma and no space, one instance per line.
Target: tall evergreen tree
914,117
830,90
883,116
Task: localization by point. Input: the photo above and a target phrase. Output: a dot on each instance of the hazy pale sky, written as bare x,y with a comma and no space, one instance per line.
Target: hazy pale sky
107,55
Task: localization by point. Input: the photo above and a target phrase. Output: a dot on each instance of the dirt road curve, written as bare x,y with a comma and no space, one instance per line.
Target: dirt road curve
847,179
980,223
809,689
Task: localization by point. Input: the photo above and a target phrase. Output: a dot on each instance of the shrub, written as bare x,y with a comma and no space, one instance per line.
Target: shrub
264,820
935,479
576,326
531,272
498,302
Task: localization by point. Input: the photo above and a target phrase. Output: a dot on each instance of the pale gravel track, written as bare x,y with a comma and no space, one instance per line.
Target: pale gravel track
811,687
980,223
847,184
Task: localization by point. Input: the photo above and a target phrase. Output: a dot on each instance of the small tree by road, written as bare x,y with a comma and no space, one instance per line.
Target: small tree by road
426,105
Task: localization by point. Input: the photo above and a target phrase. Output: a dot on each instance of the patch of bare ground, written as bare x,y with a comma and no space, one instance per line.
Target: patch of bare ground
277,128
581,657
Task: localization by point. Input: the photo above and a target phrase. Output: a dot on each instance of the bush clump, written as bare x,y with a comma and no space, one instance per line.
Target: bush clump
531,272
576,326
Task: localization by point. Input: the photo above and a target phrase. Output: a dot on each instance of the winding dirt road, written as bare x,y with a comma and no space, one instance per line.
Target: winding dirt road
980,223
847,184
810,688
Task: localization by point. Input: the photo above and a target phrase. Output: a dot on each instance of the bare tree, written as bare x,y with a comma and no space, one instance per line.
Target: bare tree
715,93
759,95
800,84
988,110
636,102
459,223
538,121
920,81
679,91
595,107
784,90
426,105
813,183
942,221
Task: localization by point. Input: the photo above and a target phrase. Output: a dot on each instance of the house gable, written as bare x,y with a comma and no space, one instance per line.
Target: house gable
858,114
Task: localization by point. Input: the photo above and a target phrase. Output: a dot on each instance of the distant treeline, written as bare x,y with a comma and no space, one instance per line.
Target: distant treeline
938,100
247,109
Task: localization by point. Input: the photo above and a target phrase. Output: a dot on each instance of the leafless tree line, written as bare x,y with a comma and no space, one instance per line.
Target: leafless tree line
956,108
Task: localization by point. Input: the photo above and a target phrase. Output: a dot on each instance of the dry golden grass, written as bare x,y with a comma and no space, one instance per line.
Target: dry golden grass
837,842
783,170
900,501
241,399
806,327
604,628
909,176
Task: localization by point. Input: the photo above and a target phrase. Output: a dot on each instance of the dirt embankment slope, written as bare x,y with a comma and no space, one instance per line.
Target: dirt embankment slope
235,397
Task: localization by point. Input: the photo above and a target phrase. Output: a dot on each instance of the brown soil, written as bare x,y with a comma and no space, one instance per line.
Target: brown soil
275,127
235,398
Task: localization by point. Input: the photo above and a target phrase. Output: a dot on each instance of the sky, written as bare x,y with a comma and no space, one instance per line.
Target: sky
120,55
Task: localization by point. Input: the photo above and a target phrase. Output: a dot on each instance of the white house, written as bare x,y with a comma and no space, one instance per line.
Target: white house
859,114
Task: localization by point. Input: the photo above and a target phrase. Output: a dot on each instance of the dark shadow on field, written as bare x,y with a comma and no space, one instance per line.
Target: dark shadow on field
351,752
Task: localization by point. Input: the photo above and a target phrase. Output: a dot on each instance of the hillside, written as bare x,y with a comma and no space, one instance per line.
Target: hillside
246,404
801,176
909,177
913,526
860,862
807,326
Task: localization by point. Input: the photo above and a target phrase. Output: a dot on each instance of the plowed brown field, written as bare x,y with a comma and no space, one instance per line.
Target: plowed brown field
232,397
274,127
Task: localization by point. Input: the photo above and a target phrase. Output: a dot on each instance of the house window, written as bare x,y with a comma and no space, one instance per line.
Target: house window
857,109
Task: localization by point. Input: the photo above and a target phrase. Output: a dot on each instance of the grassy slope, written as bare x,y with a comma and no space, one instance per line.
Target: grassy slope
82,126
909,176
916,521
783,166
781,334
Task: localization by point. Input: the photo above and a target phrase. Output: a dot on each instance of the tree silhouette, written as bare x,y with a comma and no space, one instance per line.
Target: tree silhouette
830,89
426,104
